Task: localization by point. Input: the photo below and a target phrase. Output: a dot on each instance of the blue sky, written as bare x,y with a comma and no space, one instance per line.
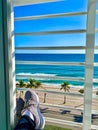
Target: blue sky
64,23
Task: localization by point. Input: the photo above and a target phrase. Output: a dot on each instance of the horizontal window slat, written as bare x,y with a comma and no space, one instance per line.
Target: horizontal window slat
95,96
95,112
62,93
60,107
63,123
50,16
95,64
50,77
94,127
97,30
54,92
95,80
51,63
50,32
68,108
52,48
28,2
96,47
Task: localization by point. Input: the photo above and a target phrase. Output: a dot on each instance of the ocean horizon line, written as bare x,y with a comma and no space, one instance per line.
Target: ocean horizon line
57,53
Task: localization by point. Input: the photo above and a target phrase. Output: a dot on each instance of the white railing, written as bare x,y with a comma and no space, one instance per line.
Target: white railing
50,16
50,32
29,2
52,63
64,123
52,48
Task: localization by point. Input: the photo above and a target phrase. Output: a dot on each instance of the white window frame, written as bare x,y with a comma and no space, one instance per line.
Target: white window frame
7,66
7,62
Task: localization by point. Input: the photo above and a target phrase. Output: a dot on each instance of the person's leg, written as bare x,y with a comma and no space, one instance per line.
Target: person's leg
25,123
19,107
31,117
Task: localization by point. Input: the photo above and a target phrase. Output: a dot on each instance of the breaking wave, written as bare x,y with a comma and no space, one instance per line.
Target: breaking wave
35,76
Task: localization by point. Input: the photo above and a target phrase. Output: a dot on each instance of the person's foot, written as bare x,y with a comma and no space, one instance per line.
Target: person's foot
19,106
32,104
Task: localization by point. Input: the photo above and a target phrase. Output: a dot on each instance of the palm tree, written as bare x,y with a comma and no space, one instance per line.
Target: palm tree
37,84
65,86
31,83
21,85
44,98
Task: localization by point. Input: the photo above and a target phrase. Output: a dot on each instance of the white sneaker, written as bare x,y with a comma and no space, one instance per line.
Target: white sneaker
32,104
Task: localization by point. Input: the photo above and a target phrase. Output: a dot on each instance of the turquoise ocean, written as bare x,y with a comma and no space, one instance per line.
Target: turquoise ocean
54,70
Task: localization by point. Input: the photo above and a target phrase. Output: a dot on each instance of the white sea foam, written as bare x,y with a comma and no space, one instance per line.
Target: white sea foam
46,75
37,75
24,73
79,86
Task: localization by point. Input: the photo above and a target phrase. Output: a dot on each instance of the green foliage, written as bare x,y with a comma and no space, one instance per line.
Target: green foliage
37,84
21,84
33,83
97,93
81,91
65,86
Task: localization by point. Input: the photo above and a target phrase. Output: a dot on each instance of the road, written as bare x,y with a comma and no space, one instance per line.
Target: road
73,116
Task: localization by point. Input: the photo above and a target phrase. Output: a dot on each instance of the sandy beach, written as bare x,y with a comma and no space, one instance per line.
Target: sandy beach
74,101
55,98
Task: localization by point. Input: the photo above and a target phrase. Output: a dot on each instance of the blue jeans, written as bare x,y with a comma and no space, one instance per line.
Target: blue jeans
25,123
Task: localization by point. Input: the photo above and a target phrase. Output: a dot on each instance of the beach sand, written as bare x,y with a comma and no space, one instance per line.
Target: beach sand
72,101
